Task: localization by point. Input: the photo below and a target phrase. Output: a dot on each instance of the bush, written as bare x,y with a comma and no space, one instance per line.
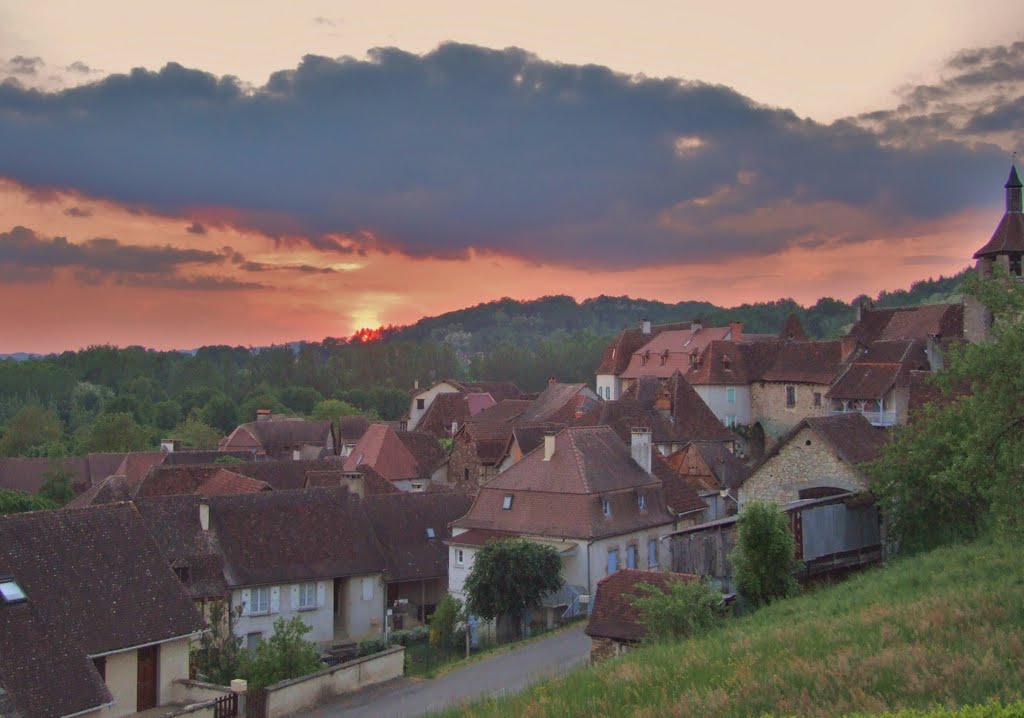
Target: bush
410,636
688,608
448,614
371,646
763,560
286,654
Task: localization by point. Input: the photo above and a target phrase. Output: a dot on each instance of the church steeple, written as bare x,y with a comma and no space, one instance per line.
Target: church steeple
1013,191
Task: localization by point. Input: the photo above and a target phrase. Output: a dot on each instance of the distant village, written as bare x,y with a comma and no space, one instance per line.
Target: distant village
360,528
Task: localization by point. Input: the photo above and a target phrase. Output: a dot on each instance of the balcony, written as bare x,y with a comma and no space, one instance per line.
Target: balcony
877,418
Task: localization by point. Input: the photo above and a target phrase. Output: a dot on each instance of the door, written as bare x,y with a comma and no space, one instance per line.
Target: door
339,608
147,676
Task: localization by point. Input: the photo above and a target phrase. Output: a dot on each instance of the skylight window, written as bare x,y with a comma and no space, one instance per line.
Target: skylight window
11,592
430,533
506,503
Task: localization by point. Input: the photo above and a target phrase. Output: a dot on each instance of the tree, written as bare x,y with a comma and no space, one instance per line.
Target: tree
16,502
687,608
57,485
32,426
511,576
286,654
195,434
113,432
333,409
219,411
763,560
166,414
219,653
956,470
444,621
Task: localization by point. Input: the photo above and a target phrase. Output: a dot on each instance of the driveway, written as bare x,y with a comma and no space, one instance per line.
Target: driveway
507,672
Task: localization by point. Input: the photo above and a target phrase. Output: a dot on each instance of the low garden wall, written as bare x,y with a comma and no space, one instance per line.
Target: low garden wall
185,691
297,694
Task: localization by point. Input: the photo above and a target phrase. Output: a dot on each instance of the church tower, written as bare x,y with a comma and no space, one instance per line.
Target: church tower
1007,244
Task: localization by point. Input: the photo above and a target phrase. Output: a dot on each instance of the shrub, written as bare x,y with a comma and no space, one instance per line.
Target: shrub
286,654
410,636
371,646
763,560
687,608
448,614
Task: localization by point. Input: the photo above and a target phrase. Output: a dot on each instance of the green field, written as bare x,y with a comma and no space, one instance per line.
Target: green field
944,629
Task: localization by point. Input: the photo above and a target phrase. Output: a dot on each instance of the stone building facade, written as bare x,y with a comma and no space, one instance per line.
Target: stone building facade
779,406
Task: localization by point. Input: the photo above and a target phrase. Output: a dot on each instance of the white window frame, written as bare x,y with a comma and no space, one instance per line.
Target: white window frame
730,421
460,557
260,607
307,596
506,502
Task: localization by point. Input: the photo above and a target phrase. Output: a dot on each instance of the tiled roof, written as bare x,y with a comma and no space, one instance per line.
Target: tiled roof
352,428
679,491
111,490
499,390
452,407
617,354
191,456
381,449
506,410
228,482
478,537
719,468
276,436
490,439
670,351
530,437
373,483
614,616
137,463
561,497
805,362
96,576
946,320
879,367
1009,235
425,449
401,522
559,403
793,330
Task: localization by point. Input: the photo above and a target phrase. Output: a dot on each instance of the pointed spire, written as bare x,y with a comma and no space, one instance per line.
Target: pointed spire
1013,189
1014,180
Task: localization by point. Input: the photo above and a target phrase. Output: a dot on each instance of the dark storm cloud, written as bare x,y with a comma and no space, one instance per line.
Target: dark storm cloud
21,65
980,97
469,147
78,212
196,228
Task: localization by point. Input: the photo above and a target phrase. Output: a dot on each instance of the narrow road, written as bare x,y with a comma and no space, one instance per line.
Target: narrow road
507,672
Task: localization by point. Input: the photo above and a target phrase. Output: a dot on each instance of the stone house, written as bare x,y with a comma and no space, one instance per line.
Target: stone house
449,411
714,471
614,626
820,456
585,492
93,621
876,383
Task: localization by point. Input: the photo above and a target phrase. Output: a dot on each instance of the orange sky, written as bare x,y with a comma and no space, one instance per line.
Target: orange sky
388,288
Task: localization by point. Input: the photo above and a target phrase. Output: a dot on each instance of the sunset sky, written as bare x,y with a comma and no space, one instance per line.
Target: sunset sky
254,172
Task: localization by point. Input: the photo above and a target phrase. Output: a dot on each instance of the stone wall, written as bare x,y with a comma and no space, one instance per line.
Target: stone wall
804,462
465,470
602,648
768,406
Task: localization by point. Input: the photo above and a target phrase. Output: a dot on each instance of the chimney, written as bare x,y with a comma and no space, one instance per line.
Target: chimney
204,516
696,325
663,404
640,447
552,380
296,454
169,446
645,326
934,352
549,446
416,384
455,428
864,305
263,415
847,346
736,331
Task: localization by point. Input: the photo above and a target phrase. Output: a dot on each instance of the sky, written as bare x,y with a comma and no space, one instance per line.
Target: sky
254,172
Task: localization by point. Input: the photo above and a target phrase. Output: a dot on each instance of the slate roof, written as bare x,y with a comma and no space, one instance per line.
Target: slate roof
452,407
97,583
559,403
382,449
946,320
561,497
400,522
614,616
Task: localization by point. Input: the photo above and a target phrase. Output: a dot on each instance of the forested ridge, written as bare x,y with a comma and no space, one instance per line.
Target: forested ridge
106,398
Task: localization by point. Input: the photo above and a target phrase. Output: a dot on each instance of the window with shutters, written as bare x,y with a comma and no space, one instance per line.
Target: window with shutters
307,595
631,557
260,600
730,394
652,553
613,561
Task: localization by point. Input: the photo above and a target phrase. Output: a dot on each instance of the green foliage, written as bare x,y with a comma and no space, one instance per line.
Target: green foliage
16,502
371,646
957,469
166,414
688,608
31,427
220,412
286,654
763,559
444,622
511,576
333,409
447,442
219,653
227,460
410,636
57,485
196,435
114,432
993,709
300,399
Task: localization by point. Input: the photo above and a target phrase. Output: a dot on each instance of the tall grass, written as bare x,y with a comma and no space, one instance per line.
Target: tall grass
944,629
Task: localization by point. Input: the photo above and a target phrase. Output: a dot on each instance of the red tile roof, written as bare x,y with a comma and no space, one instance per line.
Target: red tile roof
381,449
503,411
670,351
793,330
559,403
228,482
715,467
946,320
614,616
617,355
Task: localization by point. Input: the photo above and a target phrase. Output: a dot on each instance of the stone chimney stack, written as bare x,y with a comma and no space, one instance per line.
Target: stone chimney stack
736,331
645,326
549,446
204,516
663,404
640,447
696,325
263,415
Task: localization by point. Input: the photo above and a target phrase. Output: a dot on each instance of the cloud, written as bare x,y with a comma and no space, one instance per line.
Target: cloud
195,228
979,97
468,150
78,212
199,283
22,65
80,68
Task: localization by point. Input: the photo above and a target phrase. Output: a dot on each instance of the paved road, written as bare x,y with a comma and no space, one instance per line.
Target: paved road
507,672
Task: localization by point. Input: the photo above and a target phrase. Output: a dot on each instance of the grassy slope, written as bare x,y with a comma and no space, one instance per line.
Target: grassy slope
946,628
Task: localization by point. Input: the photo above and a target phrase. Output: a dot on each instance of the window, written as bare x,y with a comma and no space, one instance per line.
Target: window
460,558
652,553
641,502
730,421
11,592
790,396
631,556
430,533
817,398
307,595
613,560
420,403
253,639
606,507
418,486
260,600
730,394
101,667
367,589
182,573
506,503
465,473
